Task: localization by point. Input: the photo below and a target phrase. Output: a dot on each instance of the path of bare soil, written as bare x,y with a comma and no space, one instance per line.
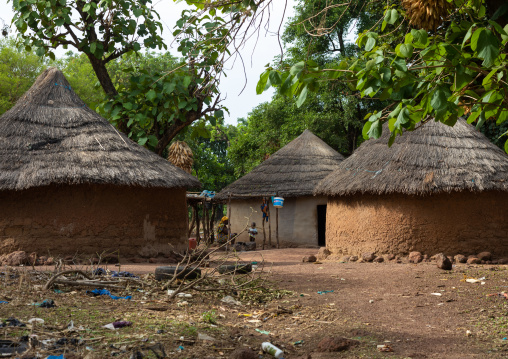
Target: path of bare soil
373,303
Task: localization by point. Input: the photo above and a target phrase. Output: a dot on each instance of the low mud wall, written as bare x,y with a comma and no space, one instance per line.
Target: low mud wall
457,223
90,219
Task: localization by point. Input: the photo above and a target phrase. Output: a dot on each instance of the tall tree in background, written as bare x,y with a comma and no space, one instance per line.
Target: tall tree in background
429,59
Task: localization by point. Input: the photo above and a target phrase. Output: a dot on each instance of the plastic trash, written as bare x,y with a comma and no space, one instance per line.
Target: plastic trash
202,336
436,294
384,348
55,357
117,325
123,274
263,331
12,322
272,350
97,292
3,302
99,271
181,295
230,300
36,320
9,348
46,303
324,291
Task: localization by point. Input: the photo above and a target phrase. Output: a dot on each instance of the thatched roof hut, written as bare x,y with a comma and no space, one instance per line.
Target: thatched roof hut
51,137
436,189
55,150
293,173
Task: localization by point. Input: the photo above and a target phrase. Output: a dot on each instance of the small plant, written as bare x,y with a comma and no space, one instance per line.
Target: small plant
209,317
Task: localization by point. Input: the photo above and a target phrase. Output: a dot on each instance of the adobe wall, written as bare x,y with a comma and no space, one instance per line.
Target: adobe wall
464,223
297,219
87,219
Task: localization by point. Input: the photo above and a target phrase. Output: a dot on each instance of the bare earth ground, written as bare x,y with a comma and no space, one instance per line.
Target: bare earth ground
374,303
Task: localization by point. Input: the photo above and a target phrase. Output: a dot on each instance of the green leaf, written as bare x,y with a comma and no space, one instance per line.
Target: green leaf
375,129
371,42
142,140
297,68
151,95
93,47
487,47
481,121
263,78
475,37
506,146
302,96
127,106
274,78
404,50
391,16
439,100
365,130
502,117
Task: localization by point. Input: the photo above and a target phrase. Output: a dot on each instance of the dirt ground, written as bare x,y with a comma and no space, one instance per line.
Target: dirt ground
417,310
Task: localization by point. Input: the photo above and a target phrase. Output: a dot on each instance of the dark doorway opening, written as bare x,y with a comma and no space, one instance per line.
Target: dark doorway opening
321,224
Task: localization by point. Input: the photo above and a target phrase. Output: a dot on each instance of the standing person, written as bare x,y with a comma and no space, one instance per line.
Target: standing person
252,232
222,231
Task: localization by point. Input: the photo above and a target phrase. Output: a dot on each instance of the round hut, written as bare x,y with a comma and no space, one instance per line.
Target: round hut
436,189
71,183
292,173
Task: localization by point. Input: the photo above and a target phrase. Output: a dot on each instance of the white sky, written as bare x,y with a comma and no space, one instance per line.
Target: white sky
267,47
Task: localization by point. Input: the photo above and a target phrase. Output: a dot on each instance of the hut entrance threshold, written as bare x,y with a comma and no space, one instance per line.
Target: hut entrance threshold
321,224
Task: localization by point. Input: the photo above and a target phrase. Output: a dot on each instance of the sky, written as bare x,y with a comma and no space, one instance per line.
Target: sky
255,57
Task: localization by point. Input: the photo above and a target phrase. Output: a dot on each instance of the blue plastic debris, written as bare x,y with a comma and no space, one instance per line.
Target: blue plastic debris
99,271
325,291
55,357
97,292
3,302
123,274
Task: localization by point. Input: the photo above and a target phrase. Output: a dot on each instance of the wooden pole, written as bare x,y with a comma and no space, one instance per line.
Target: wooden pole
277,226
264,233
212,233
229,219
193,221
198,237
205,222
269,226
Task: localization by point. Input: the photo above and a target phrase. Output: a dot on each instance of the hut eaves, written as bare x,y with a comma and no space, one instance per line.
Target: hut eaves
434,158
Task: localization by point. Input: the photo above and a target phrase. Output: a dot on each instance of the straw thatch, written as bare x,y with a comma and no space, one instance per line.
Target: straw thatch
51,137
181,156
434,158
292,171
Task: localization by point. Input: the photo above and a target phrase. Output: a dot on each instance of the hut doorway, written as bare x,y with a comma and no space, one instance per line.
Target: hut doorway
321,224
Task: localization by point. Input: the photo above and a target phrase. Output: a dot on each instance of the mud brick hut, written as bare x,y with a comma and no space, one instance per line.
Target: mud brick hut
292,173
436,189
70,183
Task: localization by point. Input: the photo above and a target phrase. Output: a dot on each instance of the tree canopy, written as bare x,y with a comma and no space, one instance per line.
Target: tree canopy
450,64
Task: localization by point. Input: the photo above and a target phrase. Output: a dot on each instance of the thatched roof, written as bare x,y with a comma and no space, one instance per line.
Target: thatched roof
432,159
51,137
292,171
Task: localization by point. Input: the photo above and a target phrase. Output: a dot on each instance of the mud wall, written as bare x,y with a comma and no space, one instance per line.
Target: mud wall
464,223
297,219
87,219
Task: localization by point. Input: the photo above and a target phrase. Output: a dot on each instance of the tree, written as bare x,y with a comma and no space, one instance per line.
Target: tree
450,64
107,30
271,125
18,71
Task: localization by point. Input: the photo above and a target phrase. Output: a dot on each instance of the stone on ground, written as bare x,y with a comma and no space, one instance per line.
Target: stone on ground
443,262
379,259
243,353
323,253
309,259
415,257
15,259
484,256
368,257
474,260
460,258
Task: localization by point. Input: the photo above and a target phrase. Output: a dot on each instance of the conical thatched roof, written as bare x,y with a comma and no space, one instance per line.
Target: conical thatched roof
51,137
292,171
432,159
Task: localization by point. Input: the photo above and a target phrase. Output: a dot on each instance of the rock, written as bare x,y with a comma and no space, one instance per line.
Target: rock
50,261
484,256
368,257
353,258
243,353
43,259
345,259
495,262
488,262
460,258
390,257
136,260
426,258
15,258
443,262
415,257
379,259
309,259
451,259
110,259
323,253
503,261
250,246
152,260
473,260
335,344
483,262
